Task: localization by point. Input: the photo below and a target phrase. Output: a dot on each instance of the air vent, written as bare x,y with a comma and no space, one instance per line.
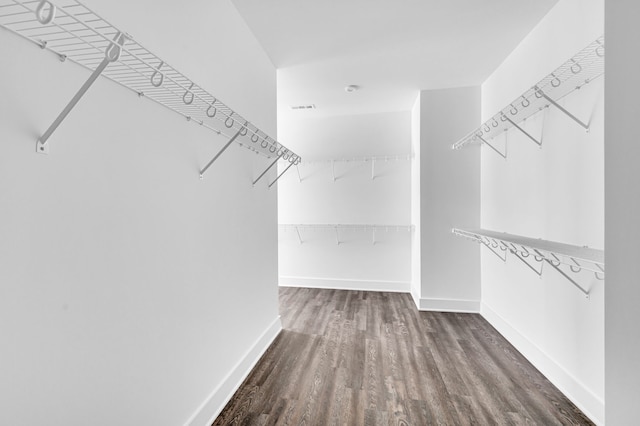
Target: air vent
311,106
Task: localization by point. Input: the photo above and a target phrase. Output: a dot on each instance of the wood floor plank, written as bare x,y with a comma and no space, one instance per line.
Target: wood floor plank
368,358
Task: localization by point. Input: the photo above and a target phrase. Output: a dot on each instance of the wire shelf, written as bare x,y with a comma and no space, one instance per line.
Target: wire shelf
584,67
82,36
359,227
553,253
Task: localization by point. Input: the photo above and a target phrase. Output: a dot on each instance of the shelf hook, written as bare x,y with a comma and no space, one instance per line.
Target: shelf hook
212,106
555,82
50,16
600,49
494,123
513,110
188,96
576,67
265,142
226,122
528,102
155,73
254,138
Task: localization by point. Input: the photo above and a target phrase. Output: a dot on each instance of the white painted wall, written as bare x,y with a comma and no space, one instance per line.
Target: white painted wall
124,293
313,197
416,276
554,193
622,205
449,197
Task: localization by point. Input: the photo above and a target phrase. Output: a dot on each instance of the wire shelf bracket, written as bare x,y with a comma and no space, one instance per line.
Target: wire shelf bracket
583,68
73,31
267,169
555,254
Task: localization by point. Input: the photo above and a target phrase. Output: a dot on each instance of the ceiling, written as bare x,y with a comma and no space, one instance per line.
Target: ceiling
390,48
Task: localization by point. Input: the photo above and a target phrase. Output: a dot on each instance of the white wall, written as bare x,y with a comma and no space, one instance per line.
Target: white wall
313,197
555,193
622,156
416,276
124,293
449,197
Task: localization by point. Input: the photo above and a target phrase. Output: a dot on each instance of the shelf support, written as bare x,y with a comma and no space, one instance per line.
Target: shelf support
492,147
539,143
299,236
561,108
112,54
299,177
337,236
224,148
373,236
571,280
373,168
333,171
280,175
268,168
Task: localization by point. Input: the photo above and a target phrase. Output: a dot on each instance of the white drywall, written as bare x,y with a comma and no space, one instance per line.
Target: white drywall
622,206
310,195
125,296
449,197
555,193
416,276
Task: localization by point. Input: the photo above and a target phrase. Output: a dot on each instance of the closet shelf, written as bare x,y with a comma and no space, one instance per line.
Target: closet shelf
337,227
73,31
359,159
581,69
371,159
553,253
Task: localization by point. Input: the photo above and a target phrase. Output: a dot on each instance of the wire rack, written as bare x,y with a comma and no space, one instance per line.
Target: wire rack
553,253
74,32
581,69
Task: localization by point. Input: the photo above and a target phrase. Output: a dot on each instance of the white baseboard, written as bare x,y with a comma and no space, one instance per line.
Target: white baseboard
215,403
346,284
578,393
446,305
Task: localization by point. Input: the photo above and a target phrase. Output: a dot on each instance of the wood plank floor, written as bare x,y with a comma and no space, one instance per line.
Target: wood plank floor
368,358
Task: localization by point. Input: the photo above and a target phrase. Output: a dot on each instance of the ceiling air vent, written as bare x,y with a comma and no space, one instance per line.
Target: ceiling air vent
310,106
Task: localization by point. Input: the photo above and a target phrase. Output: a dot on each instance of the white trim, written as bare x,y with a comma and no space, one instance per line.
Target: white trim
447,305
346,284
222,394
588,402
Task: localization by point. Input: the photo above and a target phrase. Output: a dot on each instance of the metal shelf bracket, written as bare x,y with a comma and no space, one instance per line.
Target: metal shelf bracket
540,93
268,168
280,175
224,148
112,54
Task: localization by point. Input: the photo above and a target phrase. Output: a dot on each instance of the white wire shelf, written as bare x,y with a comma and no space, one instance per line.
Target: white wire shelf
584,67
373,160
553,253
336,228
74,32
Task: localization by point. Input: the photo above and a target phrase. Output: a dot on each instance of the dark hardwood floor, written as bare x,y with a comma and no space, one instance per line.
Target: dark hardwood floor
367,358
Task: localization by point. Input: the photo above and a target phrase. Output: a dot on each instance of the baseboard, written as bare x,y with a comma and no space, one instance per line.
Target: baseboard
215,403
446,305
572,388
346,284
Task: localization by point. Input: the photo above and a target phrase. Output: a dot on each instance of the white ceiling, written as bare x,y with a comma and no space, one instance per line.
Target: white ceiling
390,48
